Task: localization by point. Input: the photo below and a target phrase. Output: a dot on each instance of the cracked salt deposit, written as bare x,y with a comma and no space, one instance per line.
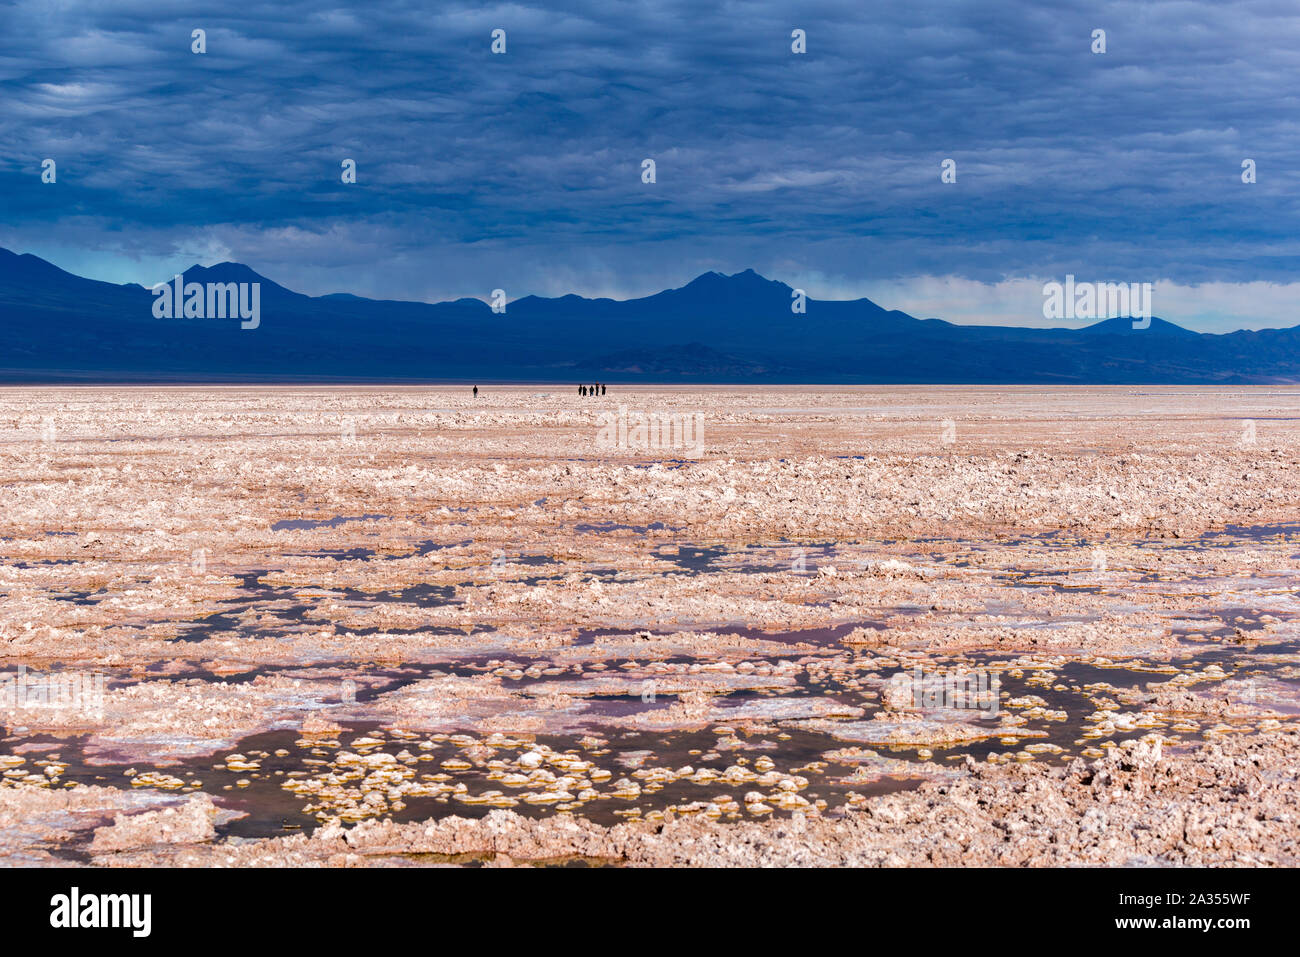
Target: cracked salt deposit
475,633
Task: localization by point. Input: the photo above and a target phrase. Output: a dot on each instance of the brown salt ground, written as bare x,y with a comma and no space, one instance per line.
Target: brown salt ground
474,635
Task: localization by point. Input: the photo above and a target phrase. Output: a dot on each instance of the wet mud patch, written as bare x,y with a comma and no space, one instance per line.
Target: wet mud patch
744,751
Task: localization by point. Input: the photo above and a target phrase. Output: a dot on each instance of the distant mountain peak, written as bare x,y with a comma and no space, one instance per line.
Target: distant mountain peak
224,272
1125,325
745,281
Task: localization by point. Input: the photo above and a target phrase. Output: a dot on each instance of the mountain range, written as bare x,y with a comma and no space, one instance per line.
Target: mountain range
58,327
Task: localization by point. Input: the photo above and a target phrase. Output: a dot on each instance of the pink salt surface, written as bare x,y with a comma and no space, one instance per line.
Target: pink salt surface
1061,525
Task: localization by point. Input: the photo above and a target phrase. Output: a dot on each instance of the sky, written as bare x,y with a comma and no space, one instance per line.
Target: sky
523,170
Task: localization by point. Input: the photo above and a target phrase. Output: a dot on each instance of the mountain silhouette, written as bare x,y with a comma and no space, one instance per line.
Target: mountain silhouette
59,327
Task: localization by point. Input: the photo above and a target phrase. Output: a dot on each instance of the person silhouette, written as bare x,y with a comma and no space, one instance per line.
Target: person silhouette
476,392
582,390
602,389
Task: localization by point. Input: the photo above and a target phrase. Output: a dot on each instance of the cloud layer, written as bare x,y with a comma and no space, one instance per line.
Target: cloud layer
523,170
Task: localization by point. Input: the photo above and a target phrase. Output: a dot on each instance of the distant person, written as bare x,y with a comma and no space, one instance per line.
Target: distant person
476,392
602,389
582,390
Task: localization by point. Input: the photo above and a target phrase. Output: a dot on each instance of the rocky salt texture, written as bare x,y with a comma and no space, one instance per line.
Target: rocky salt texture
1230,803
191,823
471,633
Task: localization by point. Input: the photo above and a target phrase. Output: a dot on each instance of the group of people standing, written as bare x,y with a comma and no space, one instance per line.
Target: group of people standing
597,389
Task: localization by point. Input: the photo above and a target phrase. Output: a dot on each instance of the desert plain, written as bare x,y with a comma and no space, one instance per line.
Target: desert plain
402,626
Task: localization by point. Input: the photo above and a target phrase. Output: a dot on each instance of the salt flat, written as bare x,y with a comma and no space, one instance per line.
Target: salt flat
655,626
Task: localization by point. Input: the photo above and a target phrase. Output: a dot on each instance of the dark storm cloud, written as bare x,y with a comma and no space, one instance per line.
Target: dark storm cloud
523,170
